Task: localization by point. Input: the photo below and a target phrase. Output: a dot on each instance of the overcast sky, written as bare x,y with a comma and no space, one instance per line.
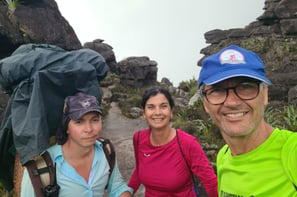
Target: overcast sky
170,32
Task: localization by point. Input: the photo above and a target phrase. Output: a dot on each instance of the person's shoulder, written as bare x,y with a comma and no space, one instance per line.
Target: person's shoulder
291,140
55,151
289,156
53,147
283,133
143,132
98,144
187,140
184,135
223,151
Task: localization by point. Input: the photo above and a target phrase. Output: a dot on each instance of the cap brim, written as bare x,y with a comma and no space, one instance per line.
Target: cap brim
78,115
221,76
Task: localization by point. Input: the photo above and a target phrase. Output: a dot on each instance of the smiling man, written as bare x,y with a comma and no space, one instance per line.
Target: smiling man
258,160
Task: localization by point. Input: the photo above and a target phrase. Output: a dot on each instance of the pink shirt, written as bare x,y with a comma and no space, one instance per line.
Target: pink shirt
164,172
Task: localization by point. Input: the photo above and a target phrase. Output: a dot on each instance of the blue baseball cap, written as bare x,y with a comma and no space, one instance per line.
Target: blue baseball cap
229,62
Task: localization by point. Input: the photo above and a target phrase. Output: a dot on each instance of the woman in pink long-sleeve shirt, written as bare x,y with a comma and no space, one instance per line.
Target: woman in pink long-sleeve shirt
161,166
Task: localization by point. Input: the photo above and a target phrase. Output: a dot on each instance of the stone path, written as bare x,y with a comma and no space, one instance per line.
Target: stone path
120,129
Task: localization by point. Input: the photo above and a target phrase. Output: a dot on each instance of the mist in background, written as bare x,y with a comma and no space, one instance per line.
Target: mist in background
170,32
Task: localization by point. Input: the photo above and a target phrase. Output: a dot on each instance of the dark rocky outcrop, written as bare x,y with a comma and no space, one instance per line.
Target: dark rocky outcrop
133,71
138,71
41,22
34,22
106,51
274,37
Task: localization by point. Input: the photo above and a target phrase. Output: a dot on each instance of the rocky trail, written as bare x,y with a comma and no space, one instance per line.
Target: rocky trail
120,129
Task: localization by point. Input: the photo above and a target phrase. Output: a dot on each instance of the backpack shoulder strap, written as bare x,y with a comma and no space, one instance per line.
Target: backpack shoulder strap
109,152
181,151
51,169
42,172
137,148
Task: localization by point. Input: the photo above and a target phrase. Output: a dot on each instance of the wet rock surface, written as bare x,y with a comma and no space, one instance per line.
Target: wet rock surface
120,129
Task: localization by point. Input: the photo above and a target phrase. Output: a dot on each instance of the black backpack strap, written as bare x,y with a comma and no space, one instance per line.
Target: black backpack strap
181,151
42,172
109,152
137,148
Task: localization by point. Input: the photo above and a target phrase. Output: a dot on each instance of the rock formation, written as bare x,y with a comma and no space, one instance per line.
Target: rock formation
274,37
106,51
34,22
137,71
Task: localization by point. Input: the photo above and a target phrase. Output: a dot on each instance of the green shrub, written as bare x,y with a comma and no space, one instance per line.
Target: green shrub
271,116
289,115
189,86
3,191
283,119
12,4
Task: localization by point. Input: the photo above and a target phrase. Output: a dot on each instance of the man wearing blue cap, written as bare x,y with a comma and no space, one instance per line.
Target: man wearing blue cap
258,160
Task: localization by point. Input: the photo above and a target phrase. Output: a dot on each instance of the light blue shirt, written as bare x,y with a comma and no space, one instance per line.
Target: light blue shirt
72,184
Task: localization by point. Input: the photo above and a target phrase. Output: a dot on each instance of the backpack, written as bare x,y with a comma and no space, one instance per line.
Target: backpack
43,173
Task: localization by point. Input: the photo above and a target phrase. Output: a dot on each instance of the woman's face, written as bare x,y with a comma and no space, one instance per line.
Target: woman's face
157,111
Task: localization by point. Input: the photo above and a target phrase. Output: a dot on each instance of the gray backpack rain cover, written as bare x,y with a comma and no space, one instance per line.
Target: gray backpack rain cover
38,77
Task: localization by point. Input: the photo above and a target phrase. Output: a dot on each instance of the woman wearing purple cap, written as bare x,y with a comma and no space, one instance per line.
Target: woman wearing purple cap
81,166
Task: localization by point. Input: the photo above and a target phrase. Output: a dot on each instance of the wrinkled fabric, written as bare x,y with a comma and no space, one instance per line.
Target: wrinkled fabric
72,184
38,77
163,171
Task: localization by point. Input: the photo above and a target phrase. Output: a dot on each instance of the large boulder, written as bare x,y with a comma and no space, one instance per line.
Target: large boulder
106,51
33,21
138,71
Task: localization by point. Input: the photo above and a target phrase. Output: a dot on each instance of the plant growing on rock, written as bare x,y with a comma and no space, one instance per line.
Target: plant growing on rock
283,119
289,115
12,4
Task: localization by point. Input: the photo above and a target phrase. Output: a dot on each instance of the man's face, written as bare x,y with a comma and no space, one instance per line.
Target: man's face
237,117
85,131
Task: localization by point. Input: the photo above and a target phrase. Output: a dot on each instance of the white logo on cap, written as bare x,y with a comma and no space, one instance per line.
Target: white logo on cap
231,56
85,104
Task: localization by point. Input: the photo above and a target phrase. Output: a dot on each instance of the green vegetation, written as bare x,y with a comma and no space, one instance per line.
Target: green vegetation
12,4
258,44
3,192
289,115
189,86
127,97
285,118
192,119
